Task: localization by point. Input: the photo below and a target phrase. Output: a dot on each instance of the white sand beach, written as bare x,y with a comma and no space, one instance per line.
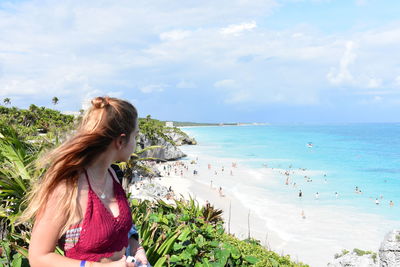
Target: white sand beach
277,223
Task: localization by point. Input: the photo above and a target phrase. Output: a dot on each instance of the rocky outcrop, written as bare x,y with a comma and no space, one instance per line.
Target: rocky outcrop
167,151
389,254
389,251
352,259
150,171
180,138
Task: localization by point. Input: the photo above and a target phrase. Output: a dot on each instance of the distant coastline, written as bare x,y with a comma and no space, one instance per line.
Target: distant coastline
195,124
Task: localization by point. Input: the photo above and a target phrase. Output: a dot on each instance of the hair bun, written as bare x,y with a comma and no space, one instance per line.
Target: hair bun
100,102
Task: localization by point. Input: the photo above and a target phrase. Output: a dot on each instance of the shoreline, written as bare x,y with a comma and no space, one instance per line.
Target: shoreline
278,225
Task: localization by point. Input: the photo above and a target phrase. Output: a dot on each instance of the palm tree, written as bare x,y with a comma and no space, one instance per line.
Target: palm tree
7,101
55,100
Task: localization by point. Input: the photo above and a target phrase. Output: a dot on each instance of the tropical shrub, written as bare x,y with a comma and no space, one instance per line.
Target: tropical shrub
179,235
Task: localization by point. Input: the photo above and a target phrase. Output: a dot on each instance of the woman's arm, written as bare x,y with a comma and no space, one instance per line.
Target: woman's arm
137,251
44,236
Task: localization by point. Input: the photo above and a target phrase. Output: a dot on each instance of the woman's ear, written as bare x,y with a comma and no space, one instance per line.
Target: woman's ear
120,141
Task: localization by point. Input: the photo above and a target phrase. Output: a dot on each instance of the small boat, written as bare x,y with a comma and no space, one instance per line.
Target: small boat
310,144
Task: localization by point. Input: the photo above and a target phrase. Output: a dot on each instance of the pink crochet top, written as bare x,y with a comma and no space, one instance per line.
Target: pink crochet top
99,234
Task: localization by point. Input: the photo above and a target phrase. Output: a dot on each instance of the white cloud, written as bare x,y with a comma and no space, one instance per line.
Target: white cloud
58,47
236,29
151,88
343,74
186,84
175,35
361,2
397,80
374,83
225,83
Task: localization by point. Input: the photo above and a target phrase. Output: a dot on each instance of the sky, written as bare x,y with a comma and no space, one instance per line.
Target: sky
273,61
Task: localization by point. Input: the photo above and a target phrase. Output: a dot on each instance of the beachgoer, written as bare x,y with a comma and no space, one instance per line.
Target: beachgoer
231,173
377,201
317,195
300,194
211,184
80,193
303,215
220,192
336,194
391,203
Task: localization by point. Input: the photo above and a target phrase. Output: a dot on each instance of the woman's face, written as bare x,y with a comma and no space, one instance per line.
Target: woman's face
130,146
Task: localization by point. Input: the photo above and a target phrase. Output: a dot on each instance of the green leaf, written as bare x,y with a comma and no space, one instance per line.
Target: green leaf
251,259
160,262
17,260
183,236
175,258
274,262
177,246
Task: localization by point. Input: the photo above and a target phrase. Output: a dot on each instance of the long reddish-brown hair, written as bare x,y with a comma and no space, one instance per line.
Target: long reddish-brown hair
104,121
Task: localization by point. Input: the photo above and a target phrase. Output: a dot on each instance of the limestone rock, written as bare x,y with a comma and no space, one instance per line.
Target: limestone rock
389,251
354,260
180,139
167,151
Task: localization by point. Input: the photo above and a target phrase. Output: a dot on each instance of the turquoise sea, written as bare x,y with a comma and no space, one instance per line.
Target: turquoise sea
366,156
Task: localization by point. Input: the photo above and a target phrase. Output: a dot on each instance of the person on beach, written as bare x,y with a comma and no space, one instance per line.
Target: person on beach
391,203
300,194
336,195
78,203
317,196
220,192
377,201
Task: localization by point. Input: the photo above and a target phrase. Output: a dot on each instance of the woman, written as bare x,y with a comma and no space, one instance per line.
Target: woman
78,203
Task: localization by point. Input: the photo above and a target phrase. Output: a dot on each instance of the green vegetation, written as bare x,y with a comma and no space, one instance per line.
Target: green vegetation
344,252
152,129
183,234
30,122
358,252
361,252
